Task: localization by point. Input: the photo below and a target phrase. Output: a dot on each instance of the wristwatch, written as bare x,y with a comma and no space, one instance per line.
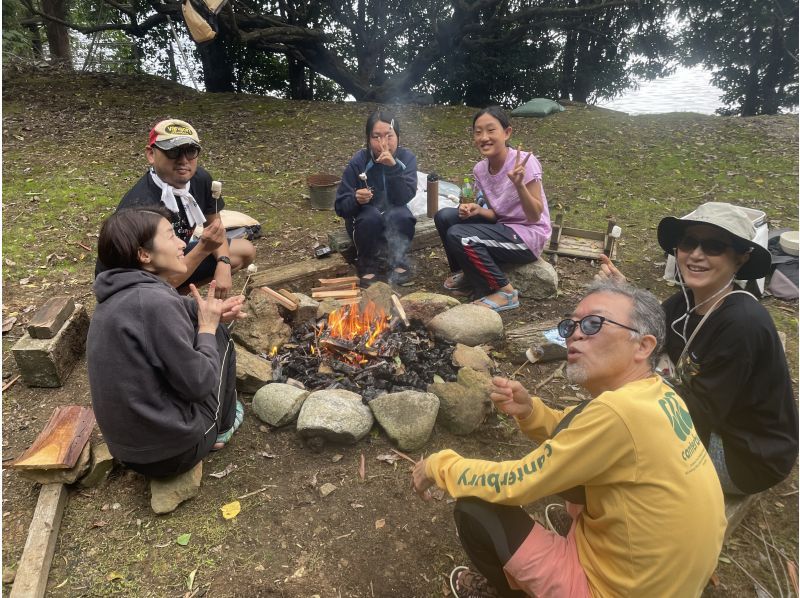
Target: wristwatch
224,259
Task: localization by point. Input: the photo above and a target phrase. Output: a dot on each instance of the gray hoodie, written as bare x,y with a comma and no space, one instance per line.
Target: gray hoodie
153,378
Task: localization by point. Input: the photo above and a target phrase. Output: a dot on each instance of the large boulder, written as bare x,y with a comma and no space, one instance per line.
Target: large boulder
406,417
468,324
252,371
463,405
335,414
278,404
537,280
422,306
264,327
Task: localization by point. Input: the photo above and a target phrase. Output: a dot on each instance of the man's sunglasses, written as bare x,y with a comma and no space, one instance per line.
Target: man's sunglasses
712,247
590,325
190,151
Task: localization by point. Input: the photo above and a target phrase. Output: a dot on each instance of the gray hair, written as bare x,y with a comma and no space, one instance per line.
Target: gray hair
647,315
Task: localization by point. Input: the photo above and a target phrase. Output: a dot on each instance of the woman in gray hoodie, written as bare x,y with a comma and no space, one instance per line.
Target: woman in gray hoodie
162,370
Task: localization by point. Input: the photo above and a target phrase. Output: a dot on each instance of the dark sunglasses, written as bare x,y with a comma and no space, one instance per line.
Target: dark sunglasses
190,151
712,247
590,325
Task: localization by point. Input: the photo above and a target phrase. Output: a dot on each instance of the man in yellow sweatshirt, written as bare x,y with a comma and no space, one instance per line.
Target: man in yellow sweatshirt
652,518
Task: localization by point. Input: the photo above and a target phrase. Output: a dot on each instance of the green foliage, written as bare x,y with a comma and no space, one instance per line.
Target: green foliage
16,38
751,46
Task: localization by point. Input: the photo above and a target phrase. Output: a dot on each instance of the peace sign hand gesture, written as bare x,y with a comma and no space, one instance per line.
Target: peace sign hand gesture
386,158
209,310
517,174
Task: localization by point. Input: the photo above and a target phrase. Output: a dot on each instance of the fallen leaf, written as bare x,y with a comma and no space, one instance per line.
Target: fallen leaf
438,379
380,523
190,580
224,472
183,539
99,523
267,455
8,324
326,489
24,281
336,458
231,510
389,458
113,576
724,559
10,262
355,505
362,468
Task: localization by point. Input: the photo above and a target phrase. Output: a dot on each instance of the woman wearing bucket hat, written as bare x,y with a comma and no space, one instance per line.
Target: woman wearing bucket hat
730,367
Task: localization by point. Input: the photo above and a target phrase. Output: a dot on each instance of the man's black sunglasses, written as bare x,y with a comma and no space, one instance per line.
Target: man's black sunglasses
712,247
190,151
590,325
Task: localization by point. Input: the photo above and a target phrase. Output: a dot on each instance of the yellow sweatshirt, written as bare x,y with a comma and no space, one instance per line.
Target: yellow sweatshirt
654,517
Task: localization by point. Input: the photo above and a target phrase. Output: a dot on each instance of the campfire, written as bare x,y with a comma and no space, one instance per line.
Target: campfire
354,336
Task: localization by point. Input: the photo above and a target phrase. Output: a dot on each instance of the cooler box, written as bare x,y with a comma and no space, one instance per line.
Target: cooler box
759,219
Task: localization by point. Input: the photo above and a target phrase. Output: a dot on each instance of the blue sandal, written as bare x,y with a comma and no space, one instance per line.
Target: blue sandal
512,298
224,437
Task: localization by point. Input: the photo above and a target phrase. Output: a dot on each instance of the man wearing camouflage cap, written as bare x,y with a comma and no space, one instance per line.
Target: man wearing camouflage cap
185,189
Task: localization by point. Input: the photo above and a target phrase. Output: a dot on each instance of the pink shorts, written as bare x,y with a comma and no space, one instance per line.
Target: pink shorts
547,565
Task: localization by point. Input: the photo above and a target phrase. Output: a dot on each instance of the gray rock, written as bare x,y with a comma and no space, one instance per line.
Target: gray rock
468,324
167,493
264,327
48,362
472,357
406,417
61,476
463,405
380,294
422,306
327,306
337,415
537,280
101,465
306,309
278,404
252,371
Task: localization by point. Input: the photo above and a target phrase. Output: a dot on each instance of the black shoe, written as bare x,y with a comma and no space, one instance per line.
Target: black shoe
401,276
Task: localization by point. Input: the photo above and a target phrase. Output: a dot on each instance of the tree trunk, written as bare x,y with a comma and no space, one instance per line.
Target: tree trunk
173,69
770,82
752,91
217,71
298,89
36,42
567,79
57,34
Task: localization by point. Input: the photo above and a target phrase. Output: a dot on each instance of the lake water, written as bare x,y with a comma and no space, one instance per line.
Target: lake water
686,90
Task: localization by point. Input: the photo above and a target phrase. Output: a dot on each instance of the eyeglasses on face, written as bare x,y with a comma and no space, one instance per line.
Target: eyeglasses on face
712,247
190,151
590,325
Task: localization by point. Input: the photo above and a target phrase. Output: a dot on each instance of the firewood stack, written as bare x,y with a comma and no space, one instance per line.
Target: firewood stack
344,290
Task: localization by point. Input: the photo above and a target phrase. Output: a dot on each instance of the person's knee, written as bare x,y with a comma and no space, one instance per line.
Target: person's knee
369,219
456,234
243,253
444,218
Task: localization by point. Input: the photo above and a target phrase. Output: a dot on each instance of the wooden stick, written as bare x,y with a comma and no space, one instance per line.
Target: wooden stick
550,378
330,281
342,293
400,311
37,556
280,299
403,455
10,383
334,287
289,295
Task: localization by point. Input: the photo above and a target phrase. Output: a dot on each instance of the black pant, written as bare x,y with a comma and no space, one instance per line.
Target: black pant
476,245
490,535
376,234
215,420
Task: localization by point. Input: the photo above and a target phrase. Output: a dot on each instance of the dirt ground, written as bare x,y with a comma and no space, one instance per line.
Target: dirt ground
370,537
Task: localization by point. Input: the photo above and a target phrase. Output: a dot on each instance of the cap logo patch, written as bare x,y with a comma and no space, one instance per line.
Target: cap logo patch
174,129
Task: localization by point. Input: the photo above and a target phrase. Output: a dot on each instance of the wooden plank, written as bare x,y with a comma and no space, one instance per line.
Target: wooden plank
399,308
37,556
335,287
60,443
289,295
283,276
279,299
337,281
335,294
583,234
50,317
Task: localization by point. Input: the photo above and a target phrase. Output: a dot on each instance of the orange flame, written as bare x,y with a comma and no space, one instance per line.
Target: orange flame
351,324
274,352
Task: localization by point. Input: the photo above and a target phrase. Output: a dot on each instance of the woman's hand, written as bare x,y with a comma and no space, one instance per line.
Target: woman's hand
608,270
386,158
510,397
517,174
468,210
363,195
232,309
420,481
209,310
